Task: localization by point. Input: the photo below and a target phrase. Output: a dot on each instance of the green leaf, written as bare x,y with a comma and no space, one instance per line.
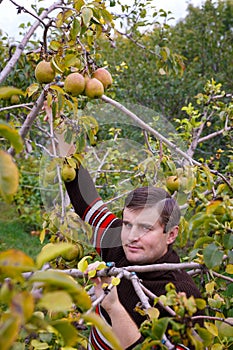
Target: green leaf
104,328
86,15
228,240
209,177
11,135
197,220
67,331
56,301
205,335
225,330
8,91
159,327
212,256
9,177
75,29
202,240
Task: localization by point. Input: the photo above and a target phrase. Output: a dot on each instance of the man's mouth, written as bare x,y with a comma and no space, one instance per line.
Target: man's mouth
133,248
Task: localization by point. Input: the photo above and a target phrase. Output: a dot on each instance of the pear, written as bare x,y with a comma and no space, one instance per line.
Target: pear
74,84
15,99
75,252
44,72
104,76
172,183
94,88
68,173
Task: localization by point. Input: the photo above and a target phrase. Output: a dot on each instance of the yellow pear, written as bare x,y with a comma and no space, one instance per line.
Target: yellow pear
75,252
44,72
104,76
68,173
15,99
172,183
74,84
94,88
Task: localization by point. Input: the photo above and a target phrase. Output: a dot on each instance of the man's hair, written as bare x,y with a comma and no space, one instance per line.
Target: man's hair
149,196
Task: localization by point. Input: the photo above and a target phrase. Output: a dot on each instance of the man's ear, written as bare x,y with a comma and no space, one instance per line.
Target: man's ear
172,234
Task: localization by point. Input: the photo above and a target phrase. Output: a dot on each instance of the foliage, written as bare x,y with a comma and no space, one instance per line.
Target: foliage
125,145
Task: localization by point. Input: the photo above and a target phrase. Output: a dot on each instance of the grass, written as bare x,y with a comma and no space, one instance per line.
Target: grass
14,234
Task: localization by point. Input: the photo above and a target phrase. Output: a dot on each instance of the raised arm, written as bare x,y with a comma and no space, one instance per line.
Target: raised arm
89,206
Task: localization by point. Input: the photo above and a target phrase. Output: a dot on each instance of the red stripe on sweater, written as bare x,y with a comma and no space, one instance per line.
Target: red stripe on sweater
102,228
96,213
99,341
90,206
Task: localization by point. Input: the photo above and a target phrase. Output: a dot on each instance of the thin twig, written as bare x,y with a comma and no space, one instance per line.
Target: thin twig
22,105
214,318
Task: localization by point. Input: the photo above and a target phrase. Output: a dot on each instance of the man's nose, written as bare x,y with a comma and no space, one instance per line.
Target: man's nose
134,233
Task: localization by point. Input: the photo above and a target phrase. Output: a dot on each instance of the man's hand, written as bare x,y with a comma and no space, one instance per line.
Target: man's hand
101,284
122,324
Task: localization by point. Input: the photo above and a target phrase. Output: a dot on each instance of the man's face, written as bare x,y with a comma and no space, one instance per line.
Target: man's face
143,237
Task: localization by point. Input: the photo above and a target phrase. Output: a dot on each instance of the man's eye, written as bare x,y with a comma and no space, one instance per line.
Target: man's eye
146,228
127,225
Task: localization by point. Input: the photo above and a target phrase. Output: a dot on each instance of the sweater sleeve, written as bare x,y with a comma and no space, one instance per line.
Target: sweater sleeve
89,206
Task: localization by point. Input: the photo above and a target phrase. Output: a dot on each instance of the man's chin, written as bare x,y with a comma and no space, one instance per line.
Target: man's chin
135,260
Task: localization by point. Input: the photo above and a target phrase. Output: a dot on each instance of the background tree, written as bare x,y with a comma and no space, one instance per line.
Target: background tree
65,128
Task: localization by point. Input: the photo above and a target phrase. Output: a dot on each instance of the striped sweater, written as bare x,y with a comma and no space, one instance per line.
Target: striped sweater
107,241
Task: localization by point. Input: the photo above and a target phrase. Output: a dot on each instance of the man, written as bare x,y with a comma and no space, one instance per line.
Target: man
145,235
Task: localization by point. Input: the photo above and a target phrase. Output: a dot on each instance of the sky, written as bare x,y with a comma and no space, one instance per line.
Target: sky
10,20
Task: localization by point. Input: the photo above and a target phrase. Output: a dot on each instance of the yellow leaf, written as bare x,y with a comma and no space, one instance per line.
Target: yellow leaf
83,264
210,287
9,177
217,346
8,332
23,306
153,313
61,280
229,269
8,91
115,281
91,273
212,328
11,135
51,251
56,301
14,262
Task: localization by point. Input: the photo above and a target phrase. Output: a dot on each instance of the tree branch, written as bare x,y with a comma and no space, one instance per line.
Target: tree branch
214,134
30,118
10,65
148,128
23,105
169,144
